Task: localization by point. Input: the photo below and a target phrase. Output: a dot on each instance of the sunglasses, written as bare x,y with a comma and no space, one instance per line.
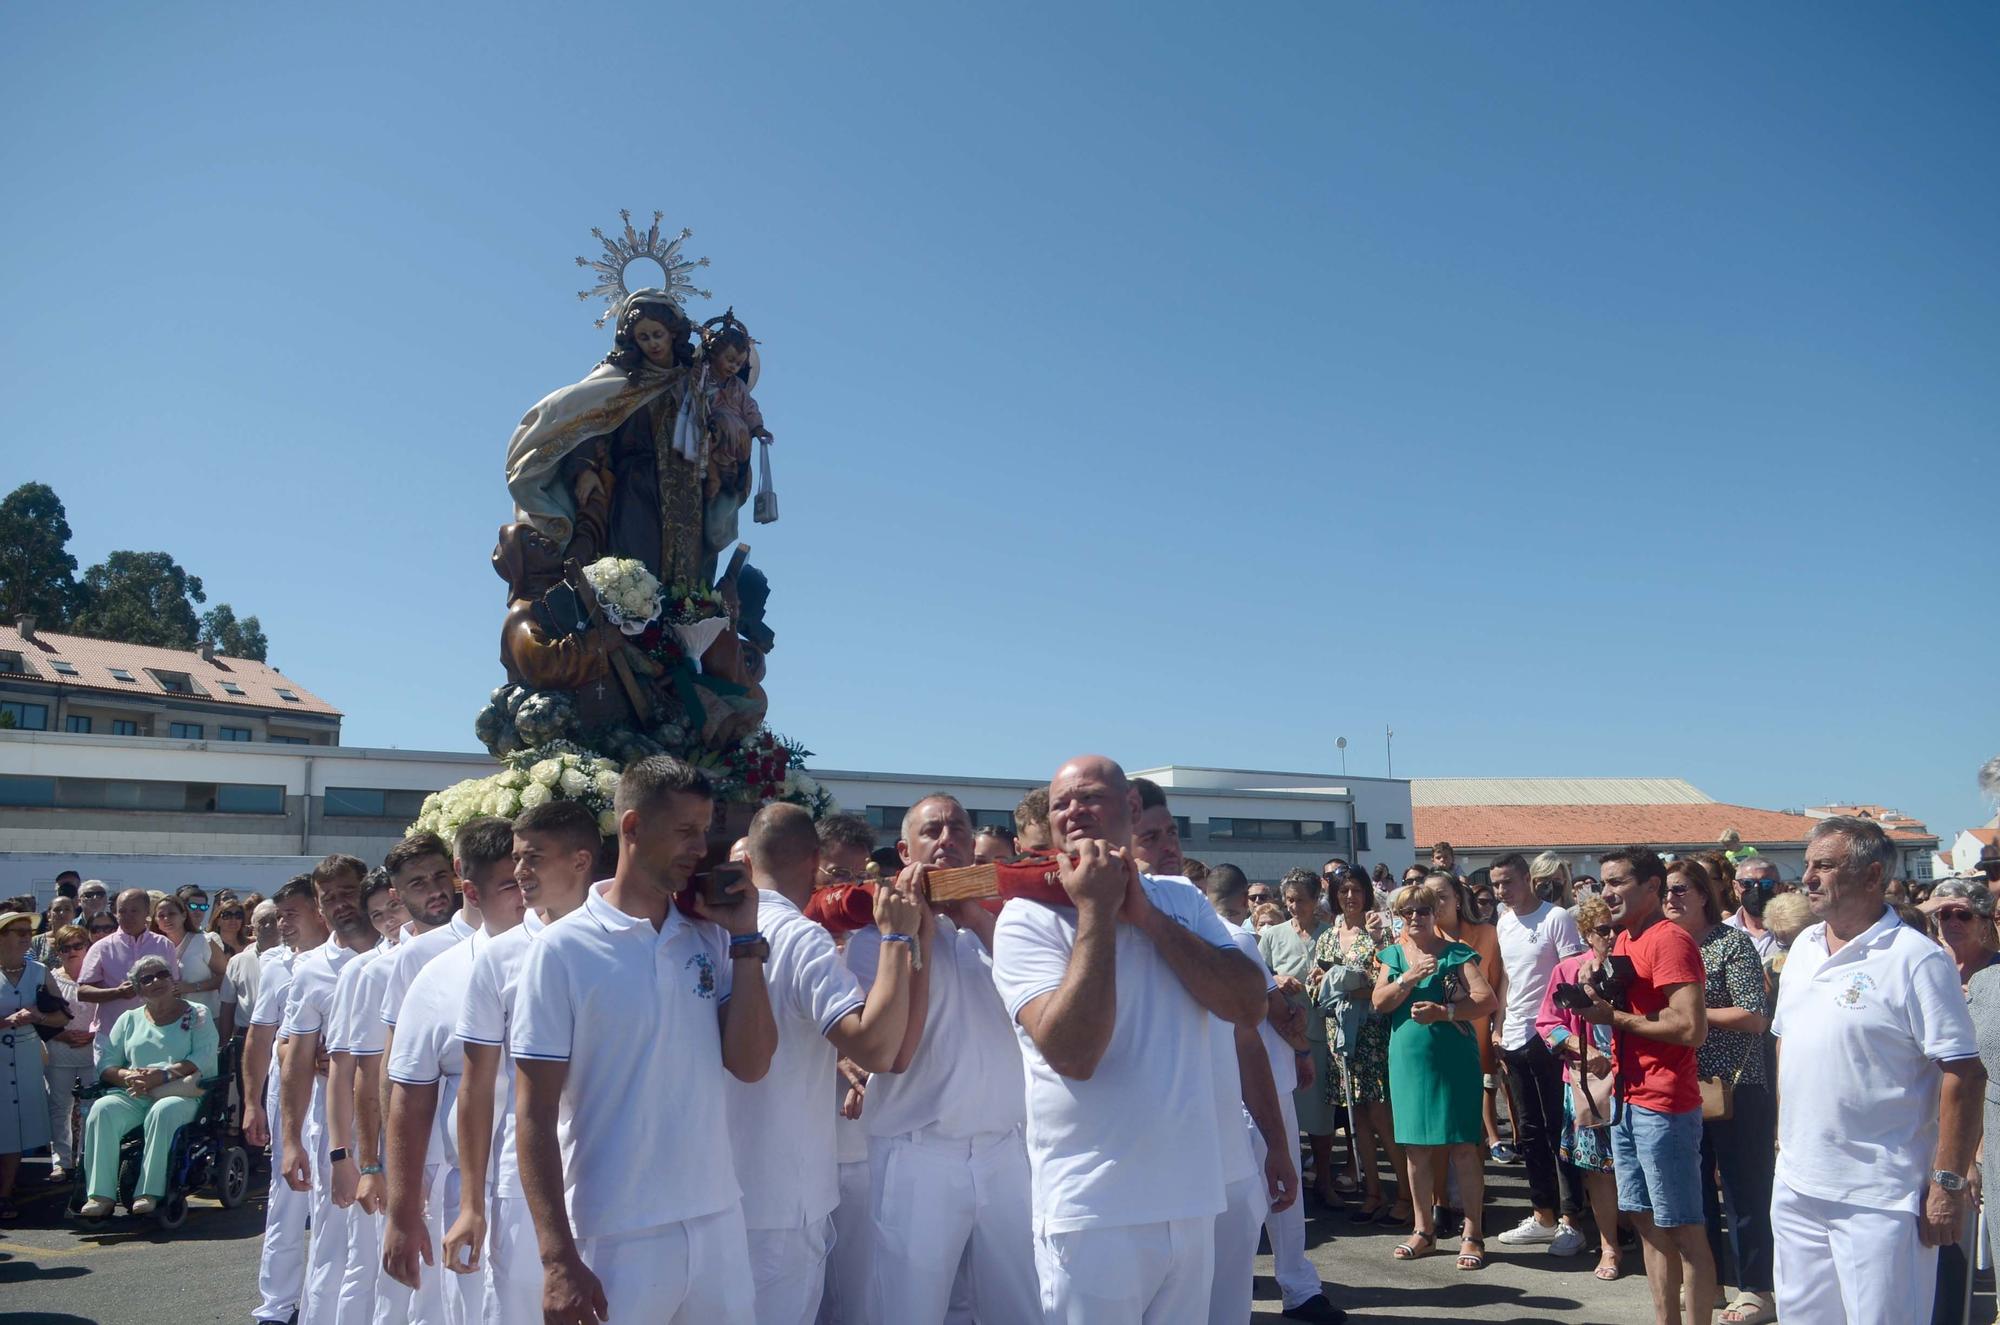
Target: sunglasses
104,929
1414,912
1679,890
154,978
1959,914
1604,931
1263,897
197,906
91,897
74,947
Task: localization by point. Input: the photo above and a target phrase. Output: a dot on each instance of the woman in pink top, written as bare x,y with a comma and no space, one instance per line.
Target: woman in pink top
1589,1148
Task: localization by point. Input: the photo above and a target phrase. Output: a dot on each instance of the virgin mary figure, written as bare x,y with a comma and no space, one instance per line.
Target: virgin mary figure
599,467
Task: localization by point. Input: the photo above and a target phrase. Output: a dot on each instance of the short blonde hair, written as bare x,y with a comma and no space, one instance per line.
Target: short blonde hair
1267,913
1414,894
1787,916
1590,913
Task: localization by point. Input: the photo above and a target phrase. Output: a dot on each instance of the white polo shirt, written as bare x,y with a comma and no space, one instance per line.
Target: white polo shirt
635,1015
965,1078
366,1033
1284,1073
1118,1149
486,1017
309,1003
779,1127
412,955
274,986
1862,1033
428,1048
1530,947
341,1019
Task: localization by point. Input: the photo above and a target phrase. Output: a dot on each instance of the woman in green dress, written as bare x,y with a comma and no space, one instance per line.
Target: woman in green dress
1431,987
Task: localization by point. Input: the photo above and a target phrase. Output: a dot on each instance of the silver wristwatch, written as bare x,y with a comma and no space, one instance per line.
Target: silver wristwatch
1950,1182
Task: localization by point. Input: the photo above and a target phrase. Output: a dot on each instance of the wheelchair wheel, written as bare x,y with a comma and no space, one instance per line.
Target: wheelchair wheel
232,1184
172,1212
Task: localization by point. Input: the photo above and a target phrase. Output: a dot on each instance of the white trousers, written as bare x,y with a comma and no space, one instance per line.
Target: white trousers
326,1257
788,1267
845,1298
1298,1281
513,1278
1840,1264
461,1296
69,1068
1133,1274
362,1271
439,1293
281,1265
695,1272
933,1201
1230,1287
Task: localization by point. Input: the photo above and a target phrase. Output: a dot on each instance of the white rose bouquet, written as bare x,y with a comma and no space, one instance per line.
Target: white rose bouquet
628,592
556,771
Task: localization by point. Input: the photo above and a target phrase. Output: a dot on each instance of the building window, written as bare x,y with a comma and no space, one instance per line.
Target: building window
238,799
275,739
288,696
1183,826
987,819
185,731
120,674
887,818
372,803
159,797
1360,838
174,683
231,688
235,733
63,668
1394,832
13,664
77,723
124,727
1254,830
27,791
23,716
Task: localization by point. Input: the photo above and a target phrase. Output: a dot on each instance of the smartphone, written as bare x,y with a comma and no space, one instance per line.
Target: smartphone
718,885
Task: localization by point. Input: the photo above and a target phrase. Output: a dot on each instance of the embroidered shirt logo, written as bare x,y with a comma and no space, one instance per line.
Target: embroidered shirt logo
1854,993
704,983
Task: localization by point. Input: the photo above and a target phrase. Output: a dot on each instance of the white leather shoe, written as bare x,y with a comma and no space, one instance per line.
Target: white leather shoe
96,1208
144,1205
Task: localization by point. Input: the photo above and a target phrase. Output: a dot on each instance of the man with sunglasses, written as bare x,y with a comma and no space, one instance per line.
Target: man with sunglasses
92,900
1757,882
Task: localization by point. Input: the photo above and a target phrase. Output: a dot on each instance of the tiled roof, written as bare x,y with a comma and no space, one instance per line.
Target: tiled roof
1880,813
1555,791
1478,827
95,659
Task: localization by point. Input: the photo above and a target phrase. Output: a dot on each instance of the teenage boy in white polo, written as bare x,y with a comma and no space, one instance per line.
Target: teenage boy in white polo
1879,1092
780,1129
307,1159
555,849
1113,1003
424,1069
627,1014
947,1163
281,1264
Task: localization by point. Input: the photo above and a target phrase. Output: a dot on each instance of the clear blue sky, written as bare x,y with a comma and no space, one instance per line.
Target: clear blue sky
1581,390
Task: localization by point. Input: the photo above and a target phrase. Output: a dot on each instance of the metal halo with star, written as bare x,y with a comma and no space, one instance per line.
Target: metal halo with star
621,251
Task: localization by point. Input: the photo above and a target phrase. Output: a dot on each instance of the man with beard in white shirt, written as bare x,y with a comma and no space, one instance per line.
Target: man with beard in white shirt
628,1013
555,857
281,1264
947,1163
424,1070
1246,1095
353,1019
307,1157
779,1127
845,841
1114,1002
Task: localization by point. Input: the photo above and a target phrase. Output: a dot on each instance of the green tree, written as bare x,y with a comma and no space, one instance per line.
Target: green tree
141,598
237,639
37,572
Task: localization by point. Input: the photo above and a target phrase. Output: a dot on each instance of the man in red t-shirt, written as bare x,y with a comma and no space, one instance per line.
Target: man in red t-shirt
1656,1142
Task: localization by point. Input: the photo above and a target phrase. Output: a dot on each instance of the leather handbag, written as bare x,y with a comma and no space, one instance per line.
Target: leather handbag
1718,1098
1594,1100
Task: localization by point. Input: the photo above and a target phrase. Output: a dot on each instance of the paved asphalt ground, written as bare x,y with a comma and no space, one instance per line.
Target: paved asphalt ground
127,1274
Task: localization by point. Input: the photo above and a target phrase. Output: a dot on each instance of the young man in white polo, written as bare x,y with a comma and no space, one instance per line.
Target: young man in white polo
307,1158
627,1015
946,1156
281,1264
1113,1002
424,1069
781,1131
1879,1094
555,851
845,842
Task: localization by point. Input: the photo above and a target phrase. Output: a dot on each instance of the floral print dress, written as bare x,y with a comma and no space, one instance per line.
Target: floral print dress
1361,1074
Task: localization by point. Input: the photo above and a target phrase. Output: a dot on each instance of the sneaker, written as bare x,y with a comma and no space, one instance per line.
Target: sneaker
1530,1232
1568,1241
1316,1308
1505,1154
143,1205
96,1207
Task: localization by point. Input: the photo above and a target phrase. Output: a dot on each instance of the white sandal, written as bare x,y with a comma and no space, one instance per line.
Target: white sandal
1752,1309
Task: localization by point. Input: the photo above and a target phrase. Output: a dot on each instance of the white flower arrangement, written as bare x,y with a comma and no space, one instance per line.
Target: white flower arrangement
533,777
574,783
547,773
535,794
629,593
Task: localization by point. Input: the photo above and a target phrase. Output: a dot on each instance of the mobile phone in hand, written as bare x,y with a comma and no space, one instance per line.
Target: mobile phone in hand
718,885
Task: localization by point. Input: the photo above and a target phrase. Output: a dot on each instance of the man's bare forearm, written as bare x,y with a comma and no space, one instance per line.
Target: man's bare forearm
1959,1104
295,1083
1222,980
368,1082
1260,1090
411,1109
476,1092
749,1027
539,1086
257,1062
877,1031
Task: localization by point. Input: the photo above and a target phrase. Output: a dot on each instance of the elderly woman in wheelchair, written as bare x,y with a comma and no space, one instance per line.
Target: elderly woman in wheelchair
153,1063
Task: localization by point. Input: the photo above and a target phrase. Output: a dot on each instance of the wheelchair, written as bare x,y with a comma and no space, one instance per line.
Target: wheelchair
202,1158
